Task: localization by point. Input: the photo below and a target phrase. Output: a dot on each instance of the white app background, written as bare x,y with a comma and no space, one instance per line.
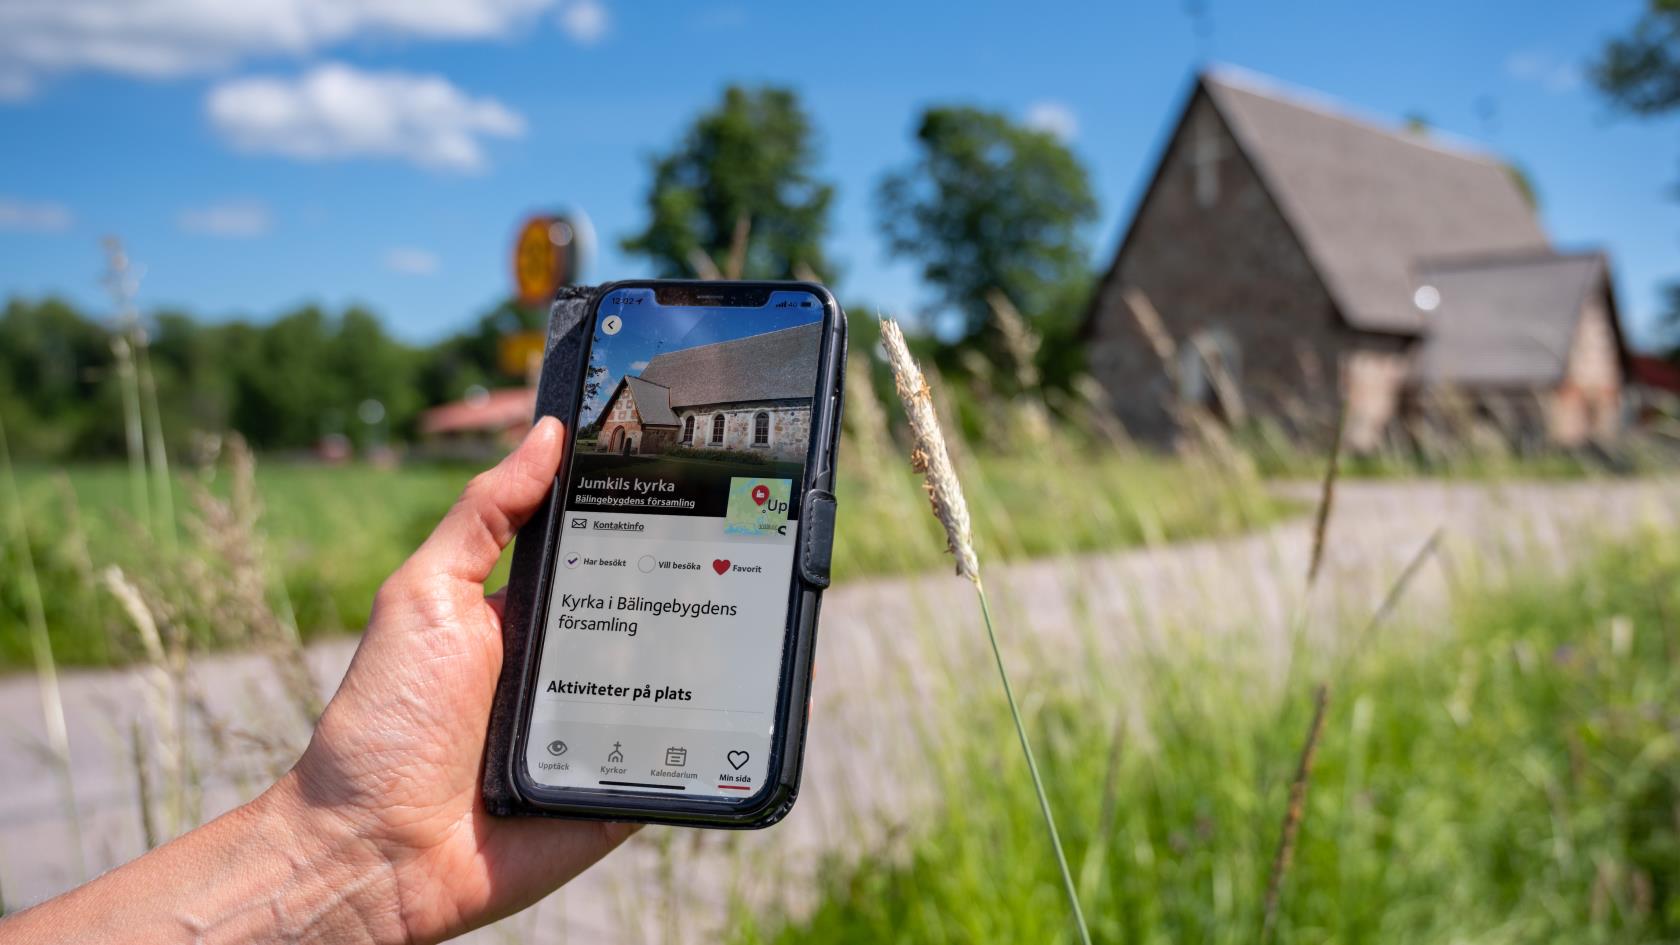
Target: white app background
686,705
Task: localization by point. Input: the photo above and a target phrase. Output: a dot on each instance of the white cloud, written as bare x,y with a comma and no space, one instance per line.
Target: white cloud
638,366
411,261
28,216
334,111
162,38
239,219
1550,72
585,21
1053,117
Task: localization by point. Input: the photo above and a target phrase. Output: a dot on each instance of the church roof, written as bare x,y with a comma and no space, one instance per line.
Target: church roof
774,365
1366,201
1505,320
653,401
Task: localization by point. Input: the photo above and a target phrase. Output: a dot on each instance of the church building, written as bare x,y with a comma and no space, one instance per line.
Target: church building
1292,257
751,395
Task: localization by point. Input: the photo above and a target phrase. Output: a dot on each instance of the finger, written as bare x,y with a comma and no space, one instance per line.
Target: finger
470,539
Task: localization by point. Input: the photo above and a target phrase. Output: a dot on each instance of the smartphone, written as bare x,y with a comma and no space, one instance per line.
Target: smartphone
669,679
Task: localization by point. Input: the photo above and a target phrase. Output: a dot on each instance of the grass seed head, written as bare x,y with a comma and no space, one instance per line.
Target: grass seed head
928,454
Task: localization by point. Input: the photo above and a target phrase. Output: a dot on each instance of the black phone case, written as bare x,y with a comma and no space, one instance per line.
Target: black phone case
533,554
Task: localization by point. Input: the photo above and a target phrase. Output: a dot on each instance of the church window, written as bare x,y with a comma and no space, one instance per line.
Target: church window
1210,372
761,429
688,430
717,429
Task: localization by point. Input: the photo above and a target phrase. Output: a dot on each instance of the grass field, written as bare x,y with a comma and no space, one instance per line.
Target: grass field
1516,779
330,534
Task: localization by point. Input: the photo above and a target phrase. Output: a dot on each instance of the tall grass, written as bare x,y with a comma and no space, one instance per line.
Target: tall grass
930,457
1516,779
40,647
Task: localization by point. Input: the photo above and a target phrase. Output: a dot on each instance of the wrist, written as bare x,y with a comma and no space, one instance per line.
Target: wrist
278,869
335,886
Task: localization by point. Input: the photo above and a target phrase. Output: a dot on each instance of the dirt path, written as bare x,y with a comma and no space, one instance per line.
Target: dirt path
887,648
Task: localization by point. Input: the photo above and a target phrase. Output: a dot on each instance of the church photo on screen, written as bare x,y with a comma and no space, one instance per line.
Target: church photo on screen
750,396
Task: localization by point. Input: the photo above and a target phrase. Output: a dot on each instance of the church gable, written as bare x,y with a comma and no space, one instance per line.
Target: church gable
622,406
1210,250
1288,257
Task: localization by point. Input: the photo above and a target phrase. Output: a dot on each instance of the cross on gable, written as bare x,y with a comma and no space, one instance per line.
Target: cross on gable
1207,149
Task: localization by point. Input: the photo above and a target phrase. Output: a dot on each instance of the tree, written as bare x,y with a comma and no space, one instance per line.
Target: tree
57,383
473,357
989,204
1639,72
738,195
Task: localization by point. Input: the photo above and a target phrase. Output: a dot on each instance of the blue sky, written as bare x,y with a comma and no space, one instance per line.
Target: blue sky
270,152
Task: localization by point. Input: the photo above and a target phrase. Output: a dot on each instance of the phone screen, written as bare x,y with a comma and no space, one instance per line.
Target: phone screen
669,605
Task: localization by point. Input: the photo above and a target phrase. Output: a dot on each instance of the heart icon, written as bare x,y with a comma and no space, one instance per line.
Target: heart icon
737,759
720,565
761,493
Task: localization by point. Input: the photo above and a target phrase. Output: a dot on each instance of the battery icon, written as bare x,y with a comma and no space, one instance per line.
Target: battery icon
804,304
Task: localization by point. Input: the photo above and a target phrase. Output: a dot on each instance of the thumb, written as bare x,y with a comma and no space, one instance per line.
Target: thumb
470,539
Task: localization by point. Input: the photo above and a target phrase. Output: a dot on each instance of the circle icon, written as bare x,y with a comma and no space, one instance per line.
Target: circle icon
611,325
557,748
647,564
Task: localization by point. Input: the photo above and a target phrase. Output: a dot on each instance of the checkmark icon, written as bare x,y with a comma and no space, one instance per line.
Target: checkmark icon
572,559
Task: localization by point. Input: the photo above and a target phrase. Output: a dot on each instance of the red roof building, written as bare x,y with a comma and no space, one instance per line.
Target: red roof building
483,421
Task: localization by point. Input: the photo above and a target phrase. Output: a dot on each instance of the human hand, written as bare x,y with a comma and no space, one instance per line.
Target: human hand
378,834
395,761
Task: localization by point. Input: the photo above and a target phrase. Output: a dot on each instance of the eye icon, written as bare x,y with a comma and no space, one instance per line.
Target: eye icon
557,748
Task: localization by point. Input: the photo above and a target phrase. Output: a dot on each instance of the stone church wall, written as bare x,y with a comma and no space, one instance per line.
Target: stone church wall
1588,404
621,429
790,428
1231,266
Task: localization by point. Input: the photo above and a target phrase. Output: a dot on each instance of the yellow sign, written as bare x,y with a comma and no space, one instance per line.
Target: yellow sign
520,353
542,257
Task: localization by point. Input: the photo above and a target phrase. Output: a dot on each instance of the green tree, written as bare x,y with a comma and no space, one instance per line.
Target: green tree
990,204
1639,72
55,378
738,195
308,373
473,357
283,384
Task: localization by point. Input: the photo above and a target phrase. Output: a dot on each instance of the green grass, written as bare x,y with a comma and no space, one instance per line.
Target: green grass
333,533
1477,456
1064,500
1516,779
